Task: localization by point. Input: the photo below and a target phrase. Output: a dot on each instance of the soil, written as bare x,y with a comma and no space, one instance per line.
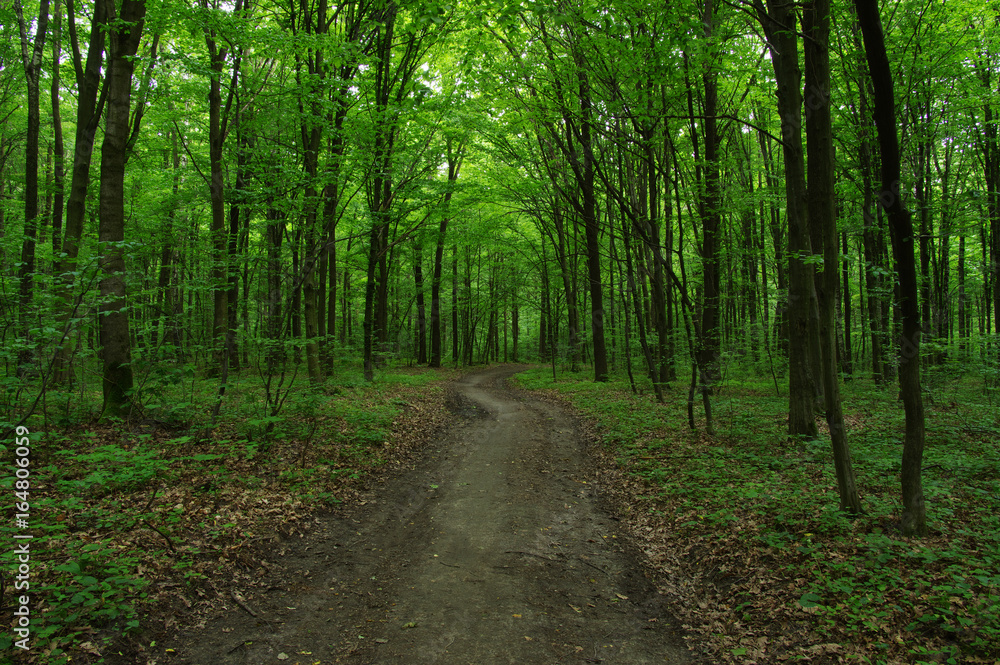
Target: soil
494,547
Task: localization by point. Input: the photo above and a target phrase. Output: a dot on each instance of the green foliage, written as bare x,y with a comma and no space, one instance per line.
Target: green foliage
112,468
98,589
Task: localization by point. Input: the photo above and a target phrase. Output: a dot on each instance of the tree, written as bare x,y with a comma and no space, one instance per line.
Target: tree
116,350
803,314
455,153
914,520
218,123
31,60
822,217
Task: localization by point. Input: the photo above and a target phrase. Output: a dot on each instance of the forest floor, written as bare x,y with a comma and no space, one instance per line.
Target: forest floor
494,546
505,515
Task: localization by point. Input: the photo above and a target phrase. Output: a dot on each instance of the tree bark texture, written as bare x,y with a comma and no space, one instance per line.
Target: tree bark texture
116,351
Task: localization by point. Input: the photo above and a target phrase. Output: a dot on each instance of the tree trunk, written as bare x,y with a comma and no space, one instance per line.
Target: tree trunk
58,168
455,158
165,288
590,222
114,325
274,320
963,316
847,362
217,227
88,114
454,303
914,521
32,63
802,311
418,280
708,346
822,217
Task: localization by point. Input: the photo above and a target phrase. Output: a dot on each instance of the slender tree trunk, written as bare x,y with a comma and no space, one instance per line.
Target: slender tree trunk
331,204
31,58
822,216
455,157
164,291
963,316
274,320
778,243
847,362
914,521
237,210
418,280
345,309
59,153
380,199
217,227
88,114
454,303
708,347
312,126
592,235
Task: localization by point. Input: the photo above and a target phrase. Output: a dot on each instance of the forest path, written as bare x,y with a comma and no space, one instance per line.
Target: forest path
492,549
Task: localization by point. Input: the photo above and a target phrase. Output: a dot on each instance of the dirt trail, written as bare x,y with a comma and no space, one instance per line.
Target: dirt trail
492,549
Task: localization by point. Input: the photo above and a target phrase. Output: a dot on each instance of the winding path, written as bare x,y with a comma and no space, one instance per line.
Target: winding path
492,549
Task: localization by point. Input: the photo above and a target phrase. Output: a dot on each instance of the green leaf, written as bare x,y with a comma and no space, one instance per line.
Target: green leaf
72,567
810,600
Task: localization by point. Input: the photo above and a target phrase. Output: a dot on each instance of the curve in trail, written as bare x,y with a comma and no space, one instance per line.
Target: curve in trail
493,549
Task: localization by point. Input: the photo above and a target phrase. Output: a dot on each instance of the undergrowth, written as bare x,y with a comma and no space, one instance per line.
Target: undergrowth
158,510
774,572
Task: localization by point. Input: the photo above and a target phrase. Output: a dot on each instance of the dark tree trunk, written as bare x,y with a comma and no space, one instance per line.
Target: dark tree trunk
802,310
710,339
31,58
313,123
375,327
165,281
914,521
217,131
59,153
88,114
274,321
418,280
778,243
847,362
963,315
822,218
454,303
590,222
455,158
561,244
331,203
